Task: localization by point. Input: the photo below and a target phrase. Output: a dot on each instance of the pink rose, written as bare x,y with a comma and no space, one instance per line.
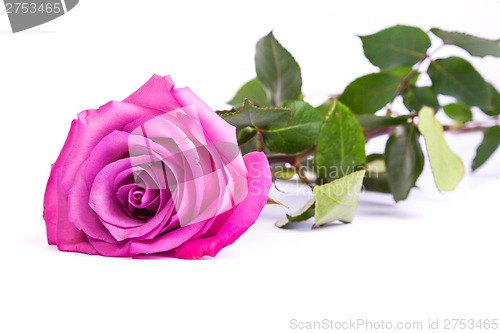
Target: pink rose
159,173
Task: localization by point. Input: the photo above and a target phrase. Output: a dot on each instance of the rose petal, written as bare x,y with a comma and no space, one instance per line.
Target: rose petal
70,238
155,94
86,219
106,205
117,249
50,200
60,231
133,247
221,136
92,126
165,242
243,216
188,145
216,128
159,93
110,148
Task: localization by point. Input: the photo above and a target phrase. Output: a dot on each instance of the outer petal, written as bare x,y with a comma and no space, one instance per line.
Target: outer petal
59,231
214,126
69,238
50,200
166,242
119,249
159,93
155,94
93,125
244,215
222,138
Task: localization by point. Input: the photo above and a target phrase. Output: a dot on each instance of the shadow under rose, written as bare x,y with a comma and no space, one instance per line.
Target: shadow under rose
308,225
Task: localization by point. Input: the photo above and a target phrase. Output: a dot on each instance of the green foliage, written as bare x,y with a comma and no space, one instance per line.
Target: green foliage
415,98
338,200
341,146
476,46
245,134
404,160
277,70
253,91
324,109
458,112
300,134
324,146
376,178
257,117
447,167
249,146
372,122
303,214
456,77
396,46
488,146
372,92
492,107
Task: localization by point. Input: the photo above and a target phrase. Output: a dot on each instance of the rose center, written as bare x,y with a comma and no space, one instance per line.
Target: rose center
140,203
136,195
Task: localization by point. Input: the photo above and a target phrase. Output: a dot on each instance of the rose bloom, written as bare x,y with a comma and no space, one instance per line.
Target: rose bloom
157,173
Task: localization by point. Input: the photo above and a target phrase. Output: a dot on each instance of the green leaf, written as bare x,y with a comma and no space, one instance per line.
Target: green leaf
303,214
490,143
415,98
338,200
404,160
372,122
245,134
479,47
396,46
492,108
456,77
447,167
249,146
376,174
253,91
257,117
277,70
458,112
341,145
372,92
300,134
324,109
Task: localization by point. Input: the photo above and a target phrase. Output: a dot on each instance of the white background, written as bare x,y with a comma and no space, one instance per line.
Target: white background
432,257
